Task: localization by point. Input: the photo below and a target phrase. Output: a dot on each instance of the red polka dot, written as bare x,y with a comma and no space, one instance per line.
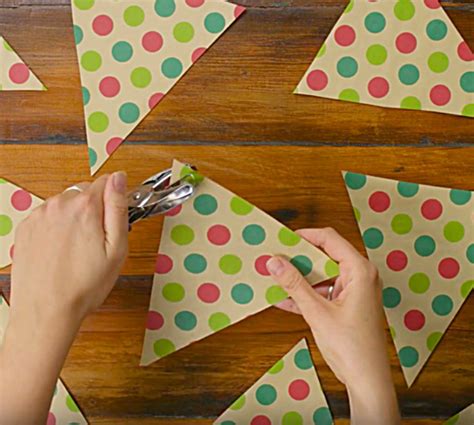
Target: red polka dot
155,99
152,41
464,52
218,234
164,264
397,260
440,95
238,11
19,73
109,87
414,320
345,35
317,80
194,3
12,251
154,320
261,265
378,87
175,211
102,25
198,53
208,293
431,209
113,144
432,4
21,200
51,419
298,389
260,420
448,268
379,201
406,42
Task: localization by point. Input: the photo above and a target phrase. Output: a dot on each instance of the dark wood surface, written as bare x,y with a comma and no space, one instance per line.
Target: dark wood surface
235,117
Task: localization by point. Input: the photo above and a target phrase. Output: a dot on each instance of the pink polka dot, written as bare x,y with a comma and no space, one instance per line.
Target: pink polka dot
19,73
152,41
431,209
208,293
378,87
21,200
155,99
345,35
448,268
198,53
406,42
261,265
238,11
218,234
175,211
440,95
109,87
164,264
194,3
379,201
113,144
414,320
260,420
432,4
464,52
154,320
397,260
317,80
298,389
102,25
51,419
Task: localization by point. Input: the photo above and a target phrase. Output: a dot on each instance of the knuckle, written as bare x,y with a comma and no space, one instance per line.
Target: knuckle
293,282
372,272
86,203
330,231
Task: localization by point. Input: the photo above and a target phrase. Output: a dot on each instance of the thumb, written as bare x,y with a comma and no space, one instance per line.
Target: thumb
116,215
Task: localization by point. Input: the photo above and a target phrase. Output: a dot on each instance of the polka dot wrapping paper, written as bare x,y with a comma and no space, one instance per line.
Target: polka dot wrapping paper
395,53
465,417
211,267
288,394
14,73
15,205
131,53
421,238
63,410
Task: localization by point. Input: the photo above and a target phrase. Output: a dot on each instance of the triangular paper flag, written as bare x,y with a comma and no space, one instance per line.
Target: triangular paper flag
131,53
399,54
63,410
421,238
288,394
14,73
15,205
465,417
211,267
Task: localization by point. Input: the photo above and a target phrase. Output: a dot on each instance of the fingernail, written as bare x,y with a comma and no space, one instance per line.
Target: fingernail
275,266
119,180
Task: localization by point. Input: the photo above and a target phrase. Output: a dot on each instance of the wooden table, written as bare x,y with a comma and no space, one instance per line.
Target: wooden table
235,117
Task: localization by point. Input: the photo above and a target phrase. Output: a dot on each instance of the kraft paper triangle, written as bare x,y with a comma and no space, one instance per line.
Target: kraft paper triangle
131,53
289,393
211,267
63,410
15,205
14,73
421,238
465,417
398,54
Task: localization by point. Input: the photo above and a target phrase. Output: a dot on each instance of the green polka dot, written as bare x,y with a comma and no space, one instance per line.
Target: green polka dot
78,34
205,204
404,10
376,54
331,268
357,214
425,246
355,181
195,263
453,231
408,356
442,305
349,7
466,288
436,30
86,96
163,347
419,283
467,82
375,22
7,47
253,234
322,416
292,418
288,238
408,74
129,113
183,32
187,172
92,156
84,4
240,206
91,61
230,264
134,16
453,420
322,51
277,367
122,51
173,292
141,77
391,297
411,102
214,22
182,234
468,110
347,67
393,333
239,403
470,253
349,95
98,122
433,340
266,394
242,293
407,190
218,321
460,197
165,8
303,359
373,238
185,320
402,224
71,405
275,294
2,181
303,264
438,62
172,68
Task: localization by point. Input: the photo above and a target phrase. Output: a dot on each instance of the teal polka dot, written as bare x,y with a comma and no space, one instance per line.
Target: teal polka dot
86,96
436,30
375,22
242,293
185,320
78,34
467,82
373,238
470,253
266,394
122,51
253,234
303,264
205,204
408,74
460,197
347,67
425,246
129,113
214,22
408,356
165,8
195,263
303,359
92,157
391,297
442,305
172,68
355,181
228,423
322,416
407,190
